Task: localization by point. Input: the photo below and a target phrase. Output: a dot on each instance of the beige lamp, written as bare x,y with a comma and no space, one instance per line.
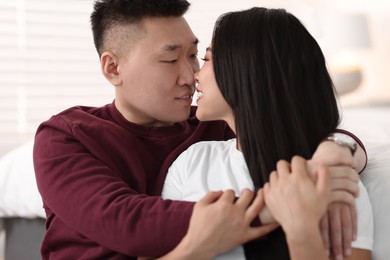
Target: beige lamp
346,35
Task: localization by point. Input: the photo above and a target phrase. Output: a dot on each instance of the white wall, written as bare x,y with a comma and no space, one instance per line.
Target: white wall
19,125
203,13
376,60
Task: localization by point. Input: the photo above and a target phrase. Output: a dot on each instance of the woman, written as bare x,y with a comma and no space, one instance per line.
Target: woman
266,76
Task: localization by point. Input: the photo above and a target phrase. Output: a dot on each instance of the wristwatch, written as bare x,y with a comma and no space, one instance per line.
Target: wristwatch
343,140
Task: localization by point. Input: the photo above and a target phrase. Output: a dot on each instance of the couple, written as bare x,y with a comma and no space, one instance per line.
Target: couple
100,171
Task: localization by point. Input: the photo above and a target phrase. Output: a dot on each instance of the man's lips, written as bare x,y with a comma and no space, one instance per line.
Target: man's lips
187,96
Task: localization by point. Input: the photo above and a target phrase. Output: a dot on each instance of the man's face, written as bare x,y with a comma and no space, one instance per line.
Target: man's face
157,74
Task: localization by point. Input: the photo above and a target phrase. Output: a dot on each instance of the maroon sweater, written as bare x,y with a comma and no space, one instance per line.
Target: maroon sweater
94,169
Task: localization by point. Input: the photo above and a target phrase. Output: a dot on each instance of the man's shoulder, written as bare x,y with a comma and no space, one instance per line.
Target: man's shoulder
78,116
77,111
81,114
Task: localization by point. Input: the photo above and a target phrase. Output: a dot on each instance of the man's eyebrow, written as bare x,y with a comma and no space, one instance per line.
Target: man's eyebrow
173,47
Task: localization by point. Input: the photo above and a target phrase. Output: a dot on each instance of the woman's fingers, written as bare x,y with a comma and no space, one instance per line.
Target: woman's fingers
343,196
344,172
345,185
324,227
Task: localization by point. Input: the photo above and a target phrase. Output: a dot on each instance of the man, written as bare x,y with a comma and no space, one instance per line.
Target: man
100,170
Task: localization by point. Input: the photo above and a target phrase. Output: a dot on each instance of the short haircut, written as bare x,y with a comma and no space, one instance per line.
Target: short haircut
110,14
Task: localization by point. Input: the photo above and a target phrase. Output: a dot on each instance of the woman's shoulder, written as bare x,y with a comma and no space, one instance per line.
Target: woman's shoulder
202,152
211,146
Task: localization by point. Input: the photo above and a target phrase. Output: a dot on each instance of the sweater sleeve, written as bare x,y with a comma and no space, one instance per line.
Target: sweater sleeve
85,197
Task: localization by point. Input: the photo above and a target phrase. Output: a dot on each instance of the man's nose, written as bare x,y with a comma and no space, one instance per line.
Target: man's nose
187,75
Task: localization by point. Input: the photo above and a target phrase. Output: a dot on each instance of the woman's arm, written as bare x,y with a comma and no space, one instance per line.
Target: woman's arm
359,254
339,226
360,156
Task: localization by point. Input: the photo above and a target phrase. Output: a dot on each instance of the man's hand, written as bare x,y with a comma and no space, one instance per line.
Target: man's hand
219,224
298,205
290,192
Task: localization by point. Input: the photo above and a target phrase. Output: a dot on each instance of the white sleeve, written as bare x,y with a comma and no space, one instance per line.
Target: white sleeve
365,234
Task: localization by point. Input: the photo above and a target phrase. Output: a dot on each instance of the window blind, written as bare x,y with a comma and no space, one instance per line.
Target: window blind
47,63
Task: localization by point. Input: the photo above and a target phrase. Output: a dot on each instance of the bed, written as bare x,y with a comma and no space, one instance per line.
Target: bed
22,216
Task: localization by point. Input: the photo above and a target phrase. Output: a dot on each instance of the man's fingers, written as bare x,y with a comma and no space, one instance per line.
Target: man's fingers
273,177
266,190
323,181
229,196
245,199
283,167
299,167
254,209
210,197
256,232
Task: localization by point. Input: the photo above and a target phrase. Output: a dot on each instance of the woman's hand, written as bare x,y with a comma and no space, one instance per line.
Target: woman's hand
339,225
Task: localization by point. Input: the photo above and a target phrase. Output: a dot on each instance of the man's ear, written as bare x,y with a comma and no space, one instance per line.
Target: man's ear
109,64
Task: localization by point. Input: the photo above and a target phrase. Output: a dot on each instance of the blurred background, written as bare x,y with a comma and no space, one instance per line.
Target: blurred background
48,61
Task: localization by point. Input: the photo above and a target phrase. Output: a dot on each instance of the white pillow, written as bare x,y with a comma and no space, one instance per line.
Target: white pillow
19,196
372,126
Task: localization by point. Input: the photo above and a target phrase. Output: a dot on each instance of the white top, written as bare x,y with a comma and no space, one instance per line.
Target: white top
218,165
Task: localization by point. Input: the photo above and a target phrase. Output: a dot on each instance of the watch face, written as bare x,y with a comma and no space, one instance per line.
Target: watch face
345,138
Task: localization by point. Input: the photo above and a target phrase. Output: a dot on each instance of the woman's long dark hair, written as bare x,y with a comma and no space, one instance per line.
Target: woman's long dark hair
273,74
